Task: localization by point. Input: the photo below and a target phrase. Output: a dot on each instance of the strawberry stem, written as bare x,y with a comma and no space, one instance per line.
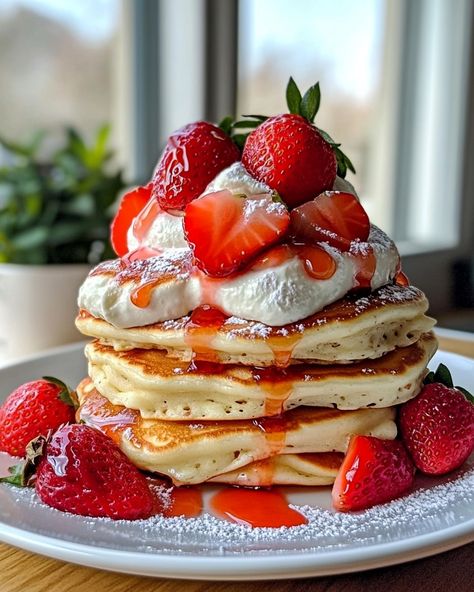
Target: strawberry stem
21,475
293,97
17,475
443,376
306,105
66,395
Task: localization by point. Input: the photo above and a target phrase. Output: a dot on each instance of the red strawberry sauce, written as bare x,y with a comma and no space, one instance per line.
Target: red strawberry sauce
256,508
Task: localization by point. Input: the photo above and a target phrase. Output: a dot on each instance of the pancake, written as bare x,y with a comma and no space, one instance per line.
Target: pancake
286,469
356,327
162,388
193,452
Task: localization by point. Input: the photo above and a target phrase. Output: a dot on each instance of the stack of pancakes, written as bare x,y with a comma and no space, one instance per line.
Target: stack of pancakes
239,402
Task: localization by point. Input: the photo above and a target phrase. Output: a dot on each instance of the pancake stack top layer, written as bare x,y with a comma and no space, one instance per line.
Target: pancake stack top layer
239,341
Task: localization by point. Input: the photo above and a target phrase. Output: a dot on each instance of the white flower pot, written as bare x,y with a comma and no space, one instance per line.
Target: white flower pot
38,304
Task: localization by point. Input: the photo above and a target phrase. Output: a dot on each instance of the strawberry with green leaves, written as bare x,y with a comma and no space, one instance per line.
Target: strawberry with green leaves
34,409
437,426
82,471
290,154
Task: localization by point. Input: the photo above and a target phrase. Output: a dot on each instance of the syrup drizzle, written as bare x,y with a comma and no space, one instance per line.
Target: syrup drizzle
365,263
140,253
141,296
317,263
277,387
255,508
143,222
283,347
274,430
200,331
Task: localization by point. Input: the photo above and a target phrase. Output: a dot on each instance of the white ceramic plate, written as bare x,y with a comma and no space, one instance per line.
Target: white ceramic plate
437,516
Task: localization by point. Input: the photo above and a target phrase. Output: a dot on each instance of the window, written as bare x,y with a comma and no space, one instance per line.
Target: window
57,65
395,78
338,43
395,81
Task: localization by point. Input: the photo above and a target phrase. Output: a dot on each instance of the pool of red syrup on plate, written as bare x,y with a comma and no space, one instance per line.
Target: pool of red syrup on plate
174,501
252,507
255,507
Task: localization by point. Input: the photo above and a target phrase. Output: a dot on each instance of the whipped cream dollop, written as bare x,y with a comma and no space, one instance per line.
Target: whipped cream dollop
236,179
156,229
274,295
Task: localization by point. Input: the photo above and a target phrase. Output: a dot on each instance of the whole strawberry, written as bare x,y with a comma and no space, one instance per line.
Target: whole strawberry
193,156
291,155
84,472
438,425
374,471
32,409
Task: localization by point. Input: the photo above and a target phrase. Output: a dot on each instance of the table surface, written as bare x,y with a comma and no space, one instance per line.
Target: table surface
24,572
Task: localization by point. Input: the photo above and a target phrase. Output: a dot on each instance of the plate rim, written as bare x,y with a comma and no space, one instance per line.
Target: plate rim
240,567
229,567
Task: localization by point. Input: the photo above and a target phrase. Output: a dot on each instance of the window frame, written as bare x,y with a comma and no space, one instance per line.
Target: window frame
157,54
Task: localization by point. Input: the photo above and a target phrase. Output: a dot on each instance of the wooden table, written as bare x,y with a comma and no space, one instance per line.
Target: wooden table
25,572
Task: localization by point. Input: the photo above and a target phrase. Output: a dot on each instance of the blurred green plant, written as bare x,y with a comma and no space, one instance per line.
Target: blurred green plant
58,211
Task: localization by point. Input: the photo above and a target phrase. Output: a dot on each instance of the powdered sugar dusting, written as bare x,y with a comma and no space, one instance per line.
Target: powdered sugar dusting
252,331
435,505
237,327
393,294
175,324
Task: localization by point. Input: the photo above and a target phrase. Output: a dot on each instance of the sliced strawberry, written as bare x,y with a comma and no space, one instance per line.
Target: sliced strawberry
131,205
334,217
226,230
373,472
401,279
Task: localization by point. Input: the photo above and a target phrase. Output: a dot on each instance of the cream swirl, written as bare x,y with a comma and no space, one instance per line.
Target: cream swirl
275,294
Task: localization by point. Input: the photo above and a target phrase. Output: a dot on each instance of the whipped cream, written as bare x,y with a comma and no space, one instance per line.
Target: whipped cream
164,231
107,295
277,295
285,293
236,179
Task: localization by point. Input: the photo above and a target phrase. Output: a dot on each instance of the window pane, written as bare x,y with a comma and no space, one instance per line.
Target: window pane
56,65
337,43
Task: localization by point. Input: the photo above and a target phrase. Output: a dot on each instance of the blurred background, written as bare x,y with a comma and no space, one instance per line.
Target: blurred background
396,79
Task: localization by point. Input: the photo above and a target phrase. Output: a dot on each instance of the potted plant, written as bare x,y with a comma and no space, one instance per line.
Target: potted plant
54,224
